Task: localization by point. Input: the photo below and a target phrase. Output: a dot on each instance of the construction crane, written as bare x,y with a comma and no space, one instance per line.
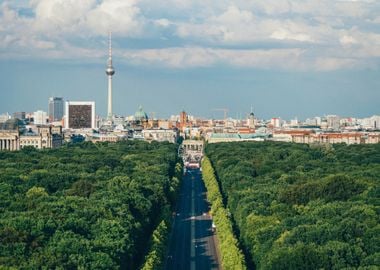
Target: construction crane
223,110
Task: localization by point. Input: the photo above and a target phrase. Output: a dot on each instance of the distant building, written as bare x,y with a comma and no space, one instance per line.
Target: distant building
164,124
316,121
19,115
292,135
244,130
234,137
4,117
371,122
333,122
107,138
55,109
294,122
14,136
10,135
80,115
140,115
44,137
324,124
141,119
251,120
276,122
312,136
160,135
183,120
40,117
9,140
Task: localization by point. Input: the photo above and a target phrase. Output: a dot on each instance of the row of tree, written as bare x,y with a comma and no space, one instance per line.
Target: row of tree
84,206
231,256
303,207
159,242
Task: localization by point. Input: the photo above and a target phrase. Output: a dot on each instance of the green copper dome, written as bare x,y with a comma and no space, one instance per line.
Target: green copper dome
140,115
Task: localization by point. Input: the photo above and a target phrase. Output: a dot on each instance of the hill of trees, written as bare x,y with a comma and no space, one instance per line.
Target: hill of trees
84,206
303,207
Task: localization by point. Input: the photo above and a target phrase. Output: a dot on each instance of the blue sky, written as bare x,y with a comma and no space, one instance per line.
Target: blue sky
297,58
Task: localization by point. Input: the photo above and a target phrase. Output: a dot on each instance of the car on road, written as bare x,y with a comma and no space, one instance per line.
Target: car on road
213,227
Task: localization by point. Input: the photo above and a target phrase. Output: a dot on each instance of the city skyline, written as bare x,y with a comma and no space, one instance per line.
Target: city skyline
294,59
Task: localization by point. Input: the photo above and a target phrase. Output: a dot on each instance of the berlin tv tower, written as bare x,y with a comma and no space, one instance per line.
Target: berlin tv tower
110,71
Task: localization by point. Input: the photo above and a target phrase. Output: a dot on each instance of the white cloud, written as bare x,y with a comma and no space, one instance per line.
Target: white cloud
283,34
61,12
262,59
119,15
294,59
347,40
162,22
232,26
173,57
313,34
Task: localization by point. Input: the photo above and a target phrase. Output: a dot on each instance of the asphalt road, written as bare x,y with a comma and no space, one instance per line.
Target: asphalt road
192,243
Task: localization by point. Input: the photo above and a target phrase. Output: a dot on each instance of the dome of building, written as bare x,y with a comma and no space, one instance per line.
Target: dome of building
12,124
140,115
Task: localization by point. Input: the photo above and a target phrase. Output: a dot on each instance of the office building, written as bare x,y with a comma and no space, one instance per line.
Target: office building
55,109
80,115
39,117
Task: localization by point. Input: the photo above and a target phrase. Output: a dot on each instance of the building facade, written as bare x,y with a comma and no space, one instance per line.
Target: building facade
309,136
183,121
56,107
39,118
80,115
19,115
12,138
9,140
160,135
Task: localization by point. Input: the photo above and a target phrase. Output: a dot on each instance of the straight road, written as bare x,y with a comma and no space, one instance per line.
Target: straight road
192,243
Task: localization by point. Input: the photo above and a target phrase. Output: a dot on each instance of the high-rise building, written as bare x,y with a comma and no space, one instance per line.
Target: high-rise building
110,71
80,115
55,109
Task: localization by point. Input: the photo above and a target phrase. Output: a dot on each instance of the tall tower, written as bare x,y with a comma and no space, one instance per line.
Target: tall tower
251,119
110,71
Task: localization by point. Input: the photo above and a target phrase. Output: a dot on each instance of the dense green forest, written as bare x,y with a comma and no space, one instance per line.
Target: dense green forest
84,206
297,206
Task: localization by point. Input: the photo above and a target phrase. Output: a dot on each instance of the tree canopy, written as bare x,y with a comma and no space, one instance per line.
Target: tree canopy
297,206
84,206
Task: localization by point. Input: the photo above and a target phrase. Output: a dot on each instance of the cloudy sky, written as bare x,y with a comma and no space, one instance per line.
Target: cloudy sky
287,58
